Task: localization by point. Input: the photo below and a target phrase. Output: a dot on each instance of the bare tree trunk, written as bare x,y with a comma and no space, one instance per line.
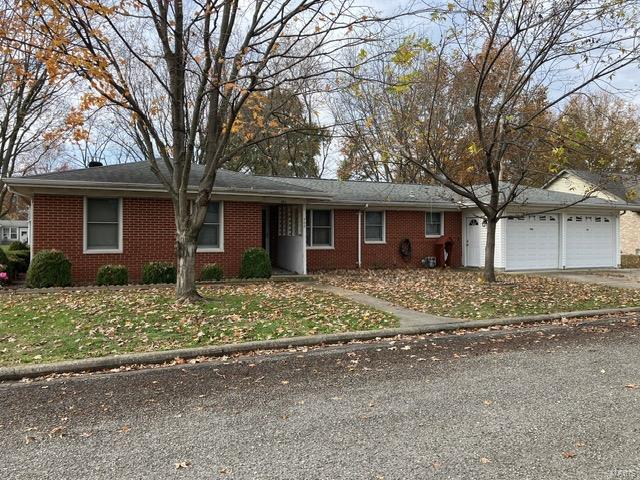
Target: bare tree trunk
186,244
489,273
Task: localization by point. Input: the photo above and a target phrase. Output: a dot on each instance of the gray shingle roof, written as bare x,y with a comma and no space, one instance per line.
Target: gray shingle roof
139,176
540,196
377,192
139,173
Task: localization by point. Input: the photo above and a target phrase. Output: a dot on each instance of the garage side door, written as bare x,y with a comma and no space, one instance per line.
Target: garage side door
532,242
591,241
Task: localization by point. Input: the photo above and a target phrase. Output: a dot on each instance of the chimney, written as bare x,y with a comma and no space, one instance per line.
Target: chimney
94,163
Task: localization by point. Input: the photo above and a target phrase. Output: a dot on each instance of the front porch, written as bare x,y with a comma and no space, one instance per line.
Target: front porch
283,237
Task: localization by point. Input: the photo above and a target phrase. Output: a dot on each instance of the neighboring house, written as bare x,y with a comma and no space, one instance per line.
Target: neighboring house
120,214
616,188
12,230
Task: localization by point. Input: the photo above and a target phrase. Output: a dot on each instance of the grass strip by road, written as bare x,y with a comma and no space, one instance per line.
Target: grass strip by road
75,324
463,294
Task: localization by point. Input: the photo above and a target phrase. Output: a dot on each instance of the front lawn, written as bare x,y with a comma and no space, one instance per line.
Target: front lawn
463,294
67,325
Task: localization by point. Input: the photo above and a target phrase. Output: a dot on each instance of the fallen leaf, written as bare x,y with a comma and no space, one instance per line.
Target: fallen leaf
569,454
181,465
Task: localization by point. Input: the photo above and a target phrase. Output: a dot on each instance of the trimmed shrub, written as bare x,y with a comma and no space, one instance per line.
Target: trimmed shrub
212,272
255,264
19,260
49,268
18,246
112,275
158,272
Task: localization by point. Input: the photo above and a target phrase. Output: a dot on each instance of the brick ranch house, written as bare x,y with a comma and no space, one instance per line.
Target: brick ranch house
120,214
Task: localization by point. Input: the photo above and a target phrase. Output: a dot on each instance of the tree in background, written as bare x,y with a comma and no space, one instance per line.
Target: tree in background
33,110
598,133
472,110
292,153
104,136
185,71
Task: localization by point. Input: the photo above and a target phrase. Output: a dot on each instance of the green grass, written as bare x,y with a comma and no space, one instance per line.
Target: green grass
463,294
68,325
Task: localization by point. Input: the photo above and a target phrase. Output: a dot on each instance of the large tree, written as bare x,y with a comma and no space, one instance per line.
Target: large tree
185,70
598,132
32,108
486,87
292,153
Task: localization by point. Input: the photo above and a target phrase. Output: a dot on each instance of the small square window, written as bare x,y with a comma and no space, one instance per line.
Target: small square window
103,227
434,224
210,234
374,226
319,228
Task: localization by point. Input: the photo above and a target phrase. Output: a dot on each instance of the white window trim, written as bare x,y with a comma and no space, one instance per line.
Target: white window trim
441,225
93,251
384,228
319,247
219,249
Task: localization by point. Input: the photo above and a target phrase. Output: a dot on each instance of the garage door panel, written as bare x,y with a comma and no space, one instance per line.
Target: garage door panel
590,241
532,242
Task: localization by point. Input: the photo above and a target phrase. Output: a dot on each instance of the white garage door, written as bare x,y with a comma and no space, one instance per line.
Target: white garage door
532,242
591,241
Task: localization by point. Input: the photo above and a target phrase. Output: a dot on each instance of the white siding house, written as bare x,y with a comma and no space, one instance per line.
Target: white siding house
12,230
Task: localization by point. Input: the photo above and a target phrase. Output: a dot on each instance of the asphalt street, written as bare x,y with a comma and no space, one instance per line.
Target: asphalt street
526,404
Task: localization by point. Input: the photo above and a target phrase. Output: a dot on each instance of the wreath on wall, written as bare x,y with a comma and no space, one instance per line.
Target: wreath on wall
405,249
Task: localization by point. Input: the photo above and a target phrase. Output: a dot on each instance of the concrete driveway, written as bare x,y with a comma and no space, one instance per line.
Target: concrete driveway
526,404
621,278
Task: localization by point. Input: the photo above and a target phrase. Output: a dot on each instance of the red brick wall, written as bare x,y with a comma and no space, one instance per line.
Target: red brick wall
399,225
148,234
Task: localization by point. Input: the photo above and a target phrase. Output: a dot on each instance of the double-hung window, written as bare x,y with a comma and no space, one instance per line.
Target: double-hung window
103,225
319,228
434,225
210,237
374,227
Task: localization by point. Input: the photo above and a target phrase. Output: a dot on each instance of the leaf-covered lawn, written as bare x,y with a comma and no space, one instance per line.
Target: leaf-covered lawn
66,325
462,294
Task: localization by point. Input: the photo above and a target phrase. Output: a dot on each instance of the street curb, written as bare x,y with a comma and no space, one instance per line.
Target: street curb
116,361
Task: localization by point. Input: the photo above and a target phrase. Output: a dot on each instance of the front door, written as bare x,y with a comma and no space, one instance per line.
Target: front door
474,248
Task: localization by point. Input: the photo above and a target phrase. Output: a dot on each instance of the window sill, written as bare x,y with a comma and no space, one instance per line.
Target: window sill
100,252
434,236
327,247
210,250
375,242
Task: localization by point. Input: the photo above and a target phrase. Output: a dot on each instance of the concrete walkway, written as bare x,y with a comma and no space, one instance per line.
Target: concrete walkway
407,317
619,278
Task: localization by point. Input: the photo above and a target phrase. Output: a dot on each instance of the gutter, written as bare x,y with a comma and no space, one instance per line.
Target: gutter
155,188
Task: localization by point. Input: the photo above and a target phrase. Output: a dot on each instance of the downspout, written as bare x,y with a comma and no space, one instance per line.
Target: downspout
359,238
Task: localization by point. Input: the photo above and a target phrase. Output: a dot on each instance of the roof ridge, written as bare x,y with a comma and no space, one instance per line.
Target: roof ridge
366,182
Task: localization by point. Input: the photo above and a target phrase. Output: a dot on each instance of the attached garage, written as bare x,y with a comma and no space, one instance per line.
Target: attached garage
532,242
590,241
546,241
